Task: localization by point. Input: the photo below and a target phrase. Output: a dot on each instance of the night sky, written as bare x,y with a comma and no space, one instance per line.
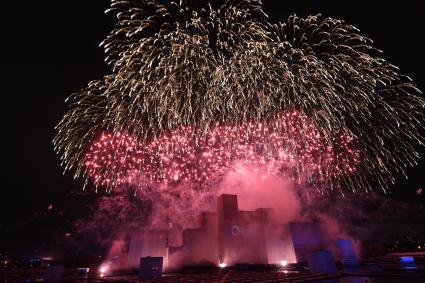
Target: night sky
52,50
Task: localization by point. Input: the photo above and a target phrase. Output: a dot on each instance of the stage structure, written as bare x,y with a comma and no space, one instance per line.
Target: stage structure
231,236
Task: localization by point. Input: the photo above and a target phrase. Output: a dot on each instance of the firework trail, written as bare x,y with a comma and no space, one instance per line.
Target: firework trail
197,71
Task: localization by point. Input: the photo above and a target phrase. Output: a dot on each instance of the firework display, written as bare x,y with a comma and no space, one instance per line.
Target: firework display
117,158
197,86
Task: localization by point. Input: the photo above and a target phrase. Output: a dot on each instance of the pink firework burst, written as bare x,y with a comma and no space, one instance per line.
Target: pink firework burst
295,146
113,158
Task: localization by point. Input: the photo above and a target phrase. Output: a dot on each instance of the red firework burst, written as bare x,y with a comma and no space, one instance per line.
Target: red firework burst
295,145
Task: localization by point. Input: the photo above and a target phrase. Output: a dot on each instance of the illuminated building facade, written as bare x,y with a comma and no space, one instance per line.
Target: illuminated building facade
230,236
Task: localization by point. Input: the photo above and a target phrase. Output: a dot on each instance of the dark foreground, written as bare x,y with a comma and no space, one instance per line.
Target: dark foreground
269,277
231,275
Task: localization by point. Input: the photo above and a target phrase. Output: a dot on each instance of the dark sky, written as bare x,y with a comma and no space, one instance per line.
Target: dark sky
51,50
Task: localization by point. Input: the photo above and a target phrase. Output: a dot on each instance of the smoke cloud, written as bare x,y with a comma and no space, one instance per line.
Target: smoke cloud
127,211
256,188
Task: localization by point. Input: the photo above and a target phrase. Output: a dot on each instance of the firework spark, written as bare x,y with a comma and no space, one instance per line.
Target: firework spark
181,68
297,149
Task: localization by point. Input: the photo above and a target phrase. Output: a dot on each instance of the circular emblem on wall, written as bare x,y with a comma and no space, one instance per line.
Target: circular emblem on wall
235,230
